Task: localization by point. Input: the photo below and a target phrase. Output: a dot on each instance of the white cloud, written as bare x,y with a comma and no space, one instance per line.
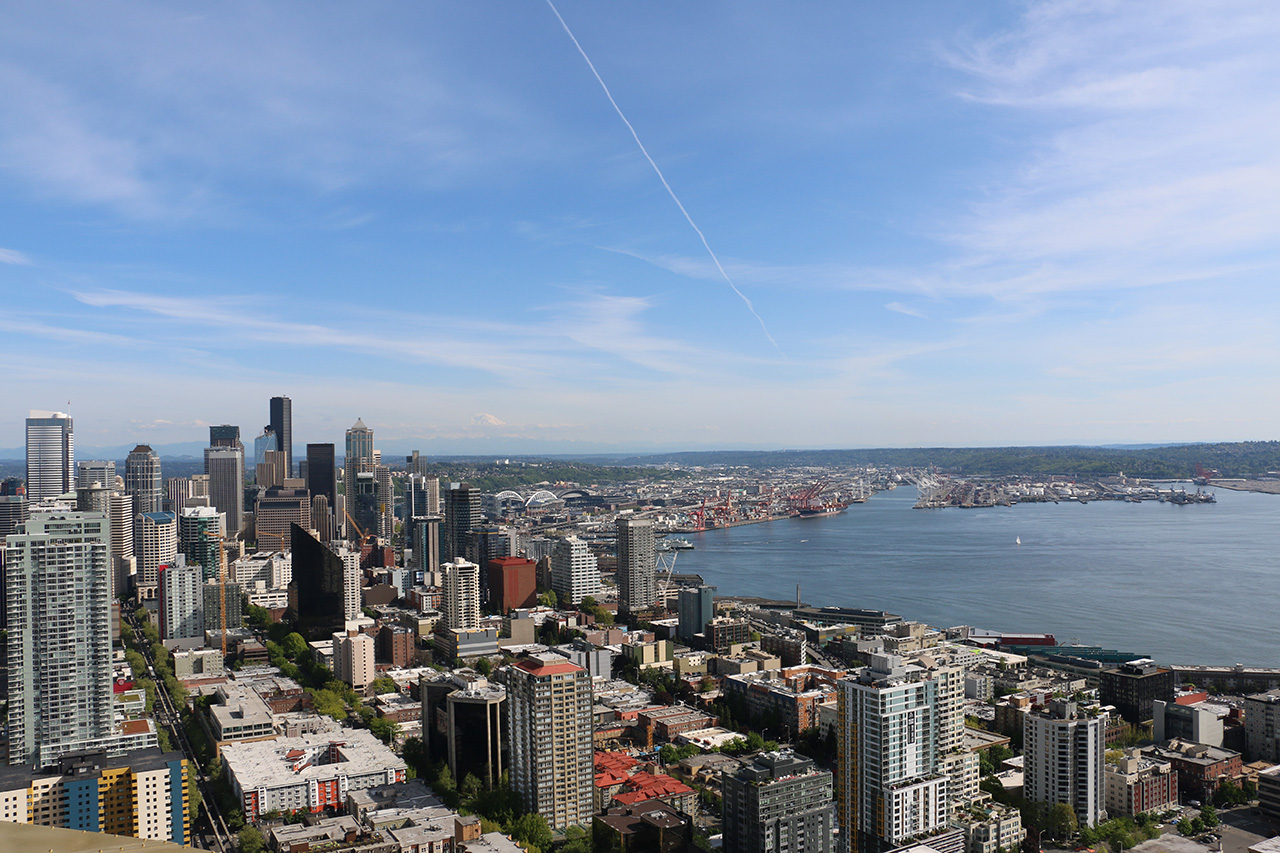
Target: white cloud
12,256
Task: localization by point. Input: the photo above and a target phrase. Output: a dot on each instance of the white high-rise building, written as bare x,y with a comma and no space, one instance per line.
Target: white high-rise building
549,709
1063,748
50,455
157,546
58,611
574,572
225,467
461,594
181,601
350,581
637,562
124,562
891,785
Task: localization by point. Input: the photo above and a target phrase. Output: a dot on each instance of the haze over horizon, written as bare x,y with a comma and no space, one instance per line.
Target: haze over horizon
1018,223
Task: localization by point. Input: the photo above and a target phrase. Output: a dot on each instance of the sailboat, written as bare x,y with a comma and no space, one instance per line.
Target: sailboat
1017,540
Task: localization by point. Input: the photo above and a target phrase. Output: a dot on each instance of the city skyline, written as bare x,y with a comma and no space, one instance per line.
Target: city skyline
1014,224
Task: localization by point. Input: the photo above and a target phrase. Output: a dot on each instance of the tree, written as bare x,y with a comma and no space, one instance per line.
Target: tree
1209,816
383,729
384,685
484,667
294,646
531,829
548,598
1061,821
470,786
1184,827
251,840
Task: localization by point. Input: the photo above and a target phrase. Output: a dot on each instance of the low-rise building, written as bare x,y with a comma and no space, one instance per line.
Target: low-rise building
794,692
990,827
1139,783
656,654
645,826
1200,768
308,773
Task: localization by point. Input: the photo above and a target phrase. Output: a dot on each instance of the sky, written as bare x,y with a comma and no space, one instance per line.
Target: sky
803,225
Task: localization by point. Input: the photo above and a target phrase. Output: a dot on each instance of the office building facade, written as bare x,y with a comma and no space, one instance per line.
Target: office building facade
225,467
181,602
142,479
462,515
281,410
50,455
199,538
318,588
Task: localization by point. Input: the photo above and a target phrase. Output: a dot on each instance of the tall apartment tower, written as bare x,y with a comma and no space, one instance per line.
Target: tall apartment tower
421,495
549,708
50,455
225,466
96,471
891,787
181,602
124,563
58,611
282,426
460,597
462,515
780,801
200,538
574,572
157,546
1063,750
637,562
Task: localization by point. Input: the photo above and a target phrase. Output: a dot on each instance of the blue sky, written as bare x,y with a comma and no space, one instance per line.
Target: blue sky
962,224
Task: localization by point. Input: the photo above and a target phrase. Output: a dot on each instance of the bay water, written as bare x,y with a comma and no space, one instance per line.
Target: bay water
1184,584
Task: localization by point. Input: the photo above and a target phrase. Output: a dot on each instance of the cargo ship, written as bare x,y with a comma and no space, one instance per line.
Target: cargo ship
819,510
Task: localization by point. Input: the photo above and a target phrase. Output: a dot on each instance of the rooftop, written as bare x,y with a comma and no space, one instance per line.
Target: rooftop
307,758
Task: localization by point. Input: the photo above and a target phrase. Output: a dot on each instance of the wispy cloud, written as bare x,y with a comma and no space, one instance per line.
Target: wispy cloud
12,256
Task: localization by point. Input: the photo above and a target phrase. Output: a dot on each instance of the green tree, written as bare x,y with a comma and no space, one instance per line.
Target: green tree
1184,826
548,598
470,787
383,729
531,829
1061,821
251,840
1209,816
484,667
295,646
328,703
384,685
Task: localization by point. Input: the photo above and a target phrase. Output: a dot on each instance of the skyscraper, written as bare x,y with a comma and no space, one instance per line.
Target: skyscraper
225,466
637,561
225,435
318,591
124,563
261,445
321,474
96,471
549,708
58,610
50,455
277,510
422,535
574,572
282,426
461,594
462,515
891,786
780,801
1063,753
142,479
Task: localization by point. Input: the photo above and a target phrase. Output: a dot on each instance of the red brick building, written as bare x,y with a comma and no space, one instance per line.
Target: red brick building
513,583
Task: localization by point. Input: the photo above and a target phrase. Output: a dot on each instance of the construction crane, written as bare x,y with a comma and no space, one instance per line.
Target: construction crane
353,523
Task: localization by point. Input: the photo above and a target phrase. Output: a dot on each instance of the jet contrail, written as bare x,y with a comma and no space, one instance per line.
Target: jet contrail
662,177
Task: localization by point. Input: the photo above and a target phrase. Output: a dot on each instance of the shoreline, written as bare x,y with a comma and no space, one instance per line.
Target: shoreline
1262,487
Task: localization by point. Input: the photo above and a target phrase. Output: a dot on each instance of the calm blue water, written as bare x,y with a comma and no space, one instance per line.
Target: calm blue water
1183,584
